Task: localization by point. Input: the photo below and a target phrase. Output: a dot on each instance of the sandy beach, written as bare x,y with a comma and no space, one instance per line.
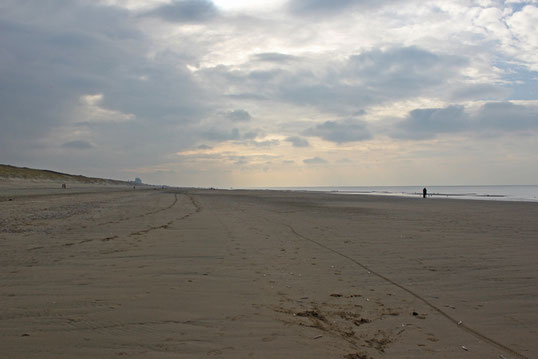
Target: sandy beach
151,273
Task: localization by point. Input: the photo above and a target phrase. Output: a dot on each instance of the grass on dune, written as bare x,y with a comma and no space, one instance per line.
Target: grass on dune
8,171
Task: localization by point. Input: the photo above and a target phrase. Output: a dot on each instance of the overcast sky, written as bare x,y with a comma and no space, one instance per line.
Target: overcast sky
272,92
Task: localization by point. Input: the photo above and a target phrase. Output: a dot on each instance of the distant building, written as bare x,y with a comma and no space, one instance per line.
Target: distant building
138,180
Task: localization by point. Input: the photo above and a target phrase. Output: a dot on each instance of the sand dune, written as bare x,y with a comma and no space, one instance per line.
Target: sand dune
237,274
37,175
22,181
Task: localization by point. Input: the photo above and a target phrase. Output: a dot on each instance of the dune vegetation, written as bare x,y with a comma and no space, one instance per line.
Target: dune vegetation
8,171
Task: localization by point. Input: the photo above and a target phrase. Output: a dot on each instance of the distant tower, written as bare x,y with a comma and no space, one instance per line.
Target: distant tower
138,180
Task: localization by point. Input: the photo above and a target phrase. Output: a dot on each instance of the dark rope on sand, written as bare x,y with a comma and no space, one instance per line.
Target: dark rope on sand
458,323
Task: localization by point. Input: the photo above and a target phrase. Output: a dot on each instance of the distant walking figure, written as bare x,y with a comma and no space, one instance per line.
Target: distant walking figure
64,186
424,192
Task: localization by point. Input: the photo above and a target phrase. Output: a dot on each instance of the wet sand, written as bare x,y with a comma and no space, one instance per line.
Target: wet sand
260,274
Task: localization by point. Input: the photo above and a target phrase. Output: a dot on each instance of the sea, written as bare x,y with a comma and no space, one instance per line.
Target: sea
518,193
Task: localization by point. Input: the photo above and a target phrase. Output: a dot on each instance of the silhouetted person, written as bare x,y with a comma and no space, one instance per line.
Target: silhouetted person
424,192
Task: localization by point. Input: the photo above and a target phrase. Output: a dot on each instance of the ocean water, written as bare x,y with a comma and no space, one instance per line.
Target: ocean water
492,193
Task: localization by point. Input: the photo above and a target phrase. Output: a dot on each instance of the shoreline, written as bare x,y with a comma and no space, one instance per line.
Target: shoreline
18,186
458,192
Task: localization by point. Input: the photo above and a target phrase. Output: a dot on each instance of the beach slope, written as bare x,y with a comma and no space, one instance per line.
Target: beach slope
265,274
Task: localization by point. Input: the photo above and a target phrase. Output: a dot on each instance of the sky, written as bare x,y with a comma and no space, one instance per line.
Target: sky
263,93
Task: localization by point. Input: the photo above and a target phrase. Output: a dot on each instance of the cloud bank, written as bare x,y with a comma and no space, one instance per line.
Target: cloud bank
259,94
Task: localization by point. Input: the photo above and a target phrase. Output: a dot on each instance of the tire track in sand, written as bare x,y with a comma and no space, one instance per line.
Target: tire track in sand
143,214
195,204
455,321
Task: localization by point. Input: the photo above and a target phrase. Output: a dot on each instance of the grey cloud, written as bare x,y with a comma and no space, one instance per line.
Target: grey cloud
317,6
264,76
337,98
239,116
345,87
44,70
204,147
273,57
430,122
224,134
247,96
250,135
479,92
81,48
267,143
298,141
314,161
373,77
221,135
327,7
492,117
341,131
79,144
240,159
507,116
401,69
185,11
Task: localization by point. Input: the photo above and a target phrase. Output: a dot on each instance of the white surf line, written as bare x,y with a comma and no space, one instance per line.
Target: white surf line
458,323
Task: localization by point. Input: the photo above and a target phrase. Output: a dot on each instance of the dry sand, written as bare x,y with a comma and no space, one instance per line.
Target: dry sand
259,274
